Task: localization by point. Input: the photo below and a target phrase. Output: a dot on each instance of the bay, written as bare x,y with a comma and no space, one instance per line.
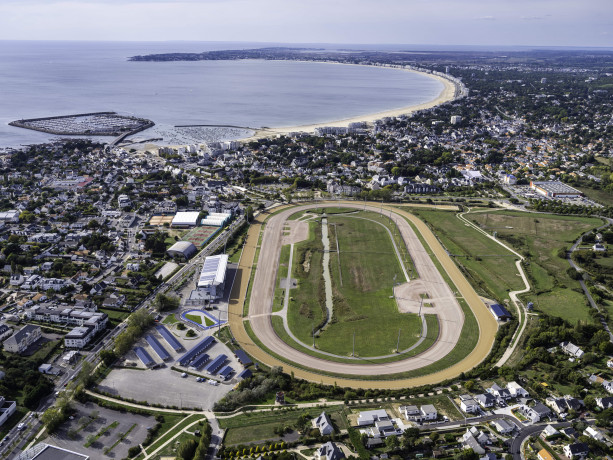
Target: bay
41,79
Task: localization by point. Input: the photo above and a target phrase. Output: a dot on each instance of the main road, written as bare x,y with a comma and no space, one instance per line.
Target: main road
313,368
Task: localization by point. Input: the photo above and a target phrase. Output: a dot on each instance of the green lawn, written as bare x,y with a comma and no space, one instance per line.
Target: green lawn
259,426
540,236
362,303
433,331
194,318
489,267
170,319
599,196
277,303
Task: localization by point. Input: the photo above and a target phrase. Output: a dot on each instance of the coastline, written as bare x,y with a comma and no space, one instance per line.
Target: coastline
448,93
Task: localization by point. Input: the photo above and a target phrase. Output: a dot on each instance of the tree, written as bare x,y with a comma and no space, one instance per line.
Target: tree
186,449
164,302
392,442
108,357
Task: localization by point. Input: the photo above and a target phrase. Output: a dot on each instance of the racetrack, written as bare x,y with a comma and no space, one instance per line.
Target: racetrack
451,317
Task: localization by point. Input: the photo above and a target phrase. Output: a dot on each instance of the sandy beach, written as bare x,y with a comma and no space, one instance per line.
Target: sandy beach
447,94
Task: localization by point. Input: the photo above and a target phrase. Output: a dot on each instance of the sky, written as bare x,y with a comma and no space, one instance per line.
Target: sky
580,23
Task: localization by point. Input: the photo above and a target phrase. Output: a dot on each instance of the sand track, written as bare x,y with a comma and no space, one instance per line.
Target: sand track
451,317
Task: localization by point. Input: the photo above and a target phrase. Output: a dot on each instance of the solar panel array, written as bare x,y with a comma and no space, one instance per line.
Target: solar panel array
242,357
142,354
245,374
157,347
188,357
209,271
226,371
216,364
200,361
172,341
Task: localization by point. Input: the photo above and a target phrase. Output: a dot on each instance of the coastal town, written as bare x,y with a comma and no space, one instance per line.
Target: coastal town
121,262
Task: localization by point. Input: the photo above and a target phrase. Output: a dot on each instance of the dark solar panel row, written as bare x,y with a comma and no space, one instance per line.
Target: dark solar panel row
142,354
242,357
216,364
226,371
194,352
157,347
172,341
200,361
245,374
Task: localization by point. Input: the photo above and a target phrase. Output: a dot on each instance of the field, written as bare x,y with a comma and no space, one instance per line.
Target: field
362,288
539,237
490,267
251,427
200,235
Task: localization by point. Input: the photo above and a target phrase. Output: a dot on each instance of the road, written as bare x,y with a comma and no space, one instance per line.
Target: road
264,284
525,433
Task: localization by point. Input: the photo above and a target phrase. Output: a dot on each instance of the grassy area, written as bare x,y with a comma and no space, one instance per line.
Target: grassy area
305,309
432,335
195,318
600,196
115,317
170,319
277,303
361,288
170,427
489,267
539,237
260,426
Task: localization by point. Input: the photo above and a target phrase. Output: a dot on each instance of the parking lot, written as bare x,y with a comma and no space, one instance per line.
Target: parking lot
73,434
165,385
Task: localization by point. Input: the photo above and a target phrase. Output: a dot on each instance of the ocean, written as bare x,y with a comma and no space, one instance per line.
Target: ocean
41,79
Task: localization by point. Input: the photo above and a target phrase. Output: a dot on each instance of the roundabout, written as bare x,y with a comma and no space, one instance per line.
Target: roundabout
388,274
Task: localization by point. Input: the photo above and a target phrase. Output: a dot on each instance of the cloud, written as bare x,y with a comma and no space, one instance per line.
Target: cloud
485,18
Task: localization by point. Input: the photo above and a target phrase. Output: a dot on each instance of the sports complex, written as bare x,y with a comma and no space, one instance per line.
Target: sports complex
356,294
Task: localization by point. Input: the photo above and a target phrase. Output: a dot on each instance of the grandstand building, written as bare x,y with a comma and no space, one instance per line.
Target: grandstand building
555,189
212,279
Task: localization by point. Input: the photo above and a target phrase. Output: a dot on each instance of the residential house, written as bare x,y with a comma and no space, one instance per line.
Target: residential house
605,403
22,339
549,431
544,455
329,451
475,439
371,416
563,405
594,433
535,413
468,404
517,391
571,349
499,392
324,424
485,400
576,450
503,427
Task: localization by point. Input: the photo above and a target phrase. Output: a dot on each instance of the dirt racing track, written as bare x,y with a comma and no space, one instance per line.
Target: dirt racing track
451,317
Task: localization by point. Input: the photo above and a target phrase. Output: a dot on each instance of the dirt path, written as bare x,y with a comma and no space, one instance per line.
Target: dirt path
263,290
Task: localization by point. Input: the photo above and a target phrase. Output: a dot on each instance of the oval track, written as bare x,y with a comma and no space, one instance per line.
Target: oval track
451,317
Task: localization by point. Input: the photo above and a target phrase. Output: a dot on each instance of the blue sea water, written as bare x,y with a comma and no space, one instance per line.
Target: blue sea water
40,79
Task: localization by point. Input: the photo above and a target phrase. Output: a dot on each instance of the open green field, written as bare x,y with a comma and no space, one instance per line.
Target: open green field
489,267
431,337
362,289
539,237
260,426
600,196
